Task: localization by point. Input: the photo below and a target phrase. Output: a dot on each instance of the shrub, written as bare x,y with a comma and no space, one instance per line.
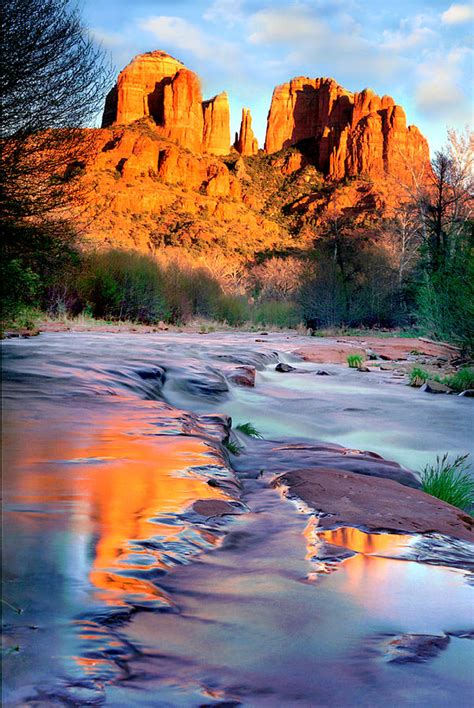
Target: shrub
449,481
233,309
233,447
462,380
445,301
418,376
123,285
277,312
354,361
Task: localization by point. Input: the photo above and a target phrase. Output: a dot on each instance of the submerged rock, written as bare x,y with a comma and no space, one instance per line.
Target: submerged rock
414,648
242,376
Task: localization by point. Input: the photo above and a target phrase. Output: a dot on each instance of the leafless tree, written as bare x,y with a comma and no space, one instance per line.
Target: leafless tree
53,79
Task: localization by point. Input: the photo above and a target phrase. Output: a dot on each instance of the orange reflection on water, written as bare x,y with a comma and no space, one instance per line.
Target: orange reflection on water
361,542
370,550
111,479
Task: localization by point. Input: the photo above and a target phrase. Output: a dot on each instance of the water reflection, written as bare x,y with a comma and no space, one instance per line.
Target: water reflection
96,510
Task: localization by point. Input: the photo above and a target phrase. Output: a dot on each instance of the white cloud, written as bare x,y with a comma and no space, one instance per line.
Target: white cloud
412,32
227,11
108,39
175,33
440,91
285,25
458,14
178,33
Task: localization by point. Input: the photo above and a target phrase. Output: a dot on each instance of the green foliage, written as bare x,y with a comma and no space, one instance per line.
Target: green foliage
418,376
233,447
123,285
233,309
250,430
462,380
278,313
445,300
449,481
19,287
37,261
355,361
190,292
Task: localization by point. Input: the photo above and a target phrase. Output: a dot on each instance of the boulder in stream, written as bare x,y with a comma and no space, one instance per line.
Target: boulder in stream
342,498
435,387
284,368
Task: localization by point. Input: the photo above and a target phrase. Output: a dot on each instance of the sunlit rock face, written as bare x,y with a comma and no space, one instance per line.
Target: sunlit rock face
216,135
246,143
139,89
349,134
158,86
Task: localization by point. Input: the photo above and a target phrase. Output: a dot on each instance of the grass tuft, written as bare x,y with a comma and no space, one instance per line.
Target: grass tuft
355,361
233,447
418,376
250,430
450,481
462,380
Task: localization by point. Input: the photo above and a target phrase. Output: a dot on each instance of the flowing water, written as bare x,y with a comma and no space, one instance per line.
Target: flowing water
128,596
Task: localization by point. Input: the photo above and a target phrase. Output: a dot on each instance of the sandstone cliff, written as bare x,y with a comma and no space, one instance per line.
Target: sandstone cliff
347,134
158,86
216,136
164,175
246,143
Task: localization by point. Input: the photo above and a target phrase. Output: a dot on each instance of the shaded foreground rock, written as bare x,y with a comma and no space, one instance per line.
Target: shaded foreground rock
284,368
347,499
280,457
435,387
242,376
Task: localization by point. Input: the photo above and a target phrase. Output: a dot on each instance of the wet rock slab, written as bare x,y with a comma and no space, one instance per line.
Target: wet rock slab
343,498
278,457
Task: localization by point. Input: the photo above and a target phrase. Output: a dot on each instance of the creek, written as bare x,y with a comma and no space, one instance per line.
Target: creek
129,596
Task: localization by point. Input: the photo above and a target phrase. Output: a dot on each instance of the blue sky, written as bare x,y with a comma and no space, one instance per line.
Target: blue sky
421,53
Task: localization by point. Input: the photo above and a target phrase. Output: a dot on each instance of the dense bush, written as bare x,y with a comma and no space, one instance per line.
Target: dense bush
445,298
123,285
277,313
190,291
351,283
36,260
233,309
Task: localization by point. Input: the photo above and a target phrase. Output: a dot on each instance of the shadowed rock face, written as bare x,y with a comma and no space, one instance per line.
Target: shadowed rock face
349,134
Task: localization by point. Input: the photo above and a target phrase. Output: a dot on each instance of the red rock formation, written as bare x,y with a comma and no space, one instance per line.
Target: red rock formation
139,89
348,134
182,110
158,86
246,143
216,135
